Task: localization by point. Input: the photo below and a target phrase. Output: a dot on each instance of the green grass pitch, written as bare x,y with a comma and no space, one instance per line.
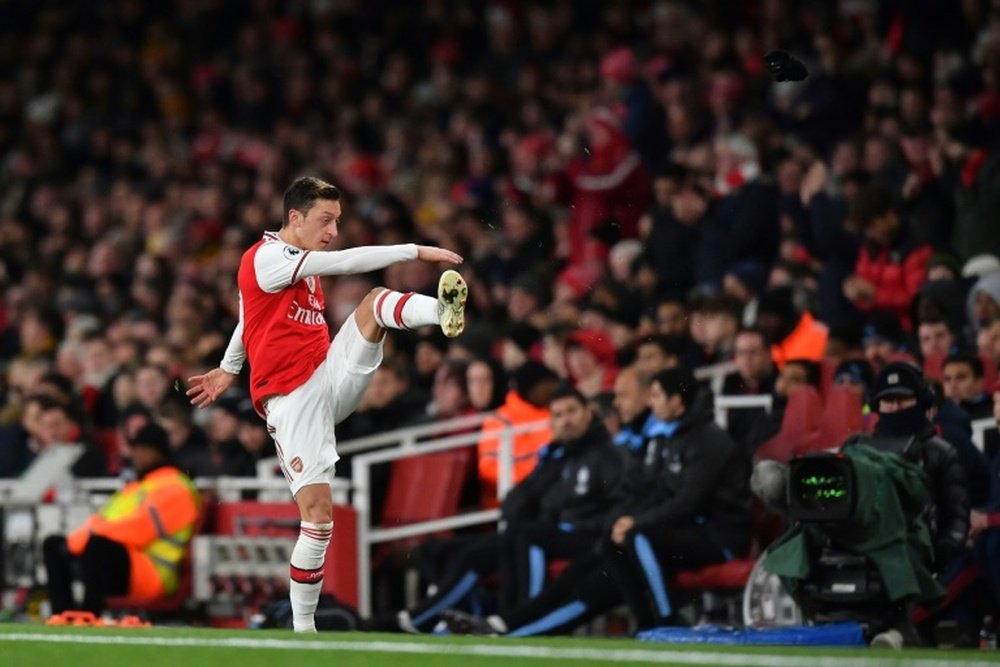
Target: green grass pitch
40,646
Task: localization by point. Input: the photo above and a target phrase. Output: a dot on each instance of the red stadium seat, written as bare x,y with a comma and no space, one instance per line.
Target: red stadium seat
422,488
828,369
989,372
842,417
934,366
800,427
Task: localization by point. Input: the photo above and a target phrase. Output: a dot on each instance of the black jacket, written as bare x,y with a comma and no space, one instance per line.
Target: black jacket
949,517
573,483
698,475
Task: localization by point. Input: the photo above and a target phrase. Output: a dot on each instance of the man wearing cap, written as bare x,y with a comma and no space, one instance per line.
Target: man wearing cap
134,544
902,399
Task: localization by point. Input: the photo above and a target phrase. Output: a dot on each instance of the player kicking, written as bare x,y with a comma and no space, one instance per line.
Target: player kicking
302,382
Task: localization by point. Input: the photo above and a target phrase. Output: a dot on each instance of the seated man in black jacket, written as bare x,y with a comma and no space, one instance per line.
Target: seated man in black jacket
558,511
685,504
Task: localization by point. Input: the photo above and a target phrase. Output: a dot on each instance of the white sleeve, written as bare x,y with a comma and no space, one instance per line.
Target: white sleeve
236,354
278,265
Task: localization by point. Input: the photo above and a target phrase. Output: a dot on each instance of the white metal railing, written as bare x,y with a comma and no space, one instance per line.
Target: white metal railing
715,374
979,429
361,477
724,404
409,436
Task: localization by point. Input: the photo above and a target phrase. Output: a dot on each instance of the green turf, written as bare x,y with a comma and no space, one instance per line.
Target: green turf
43,648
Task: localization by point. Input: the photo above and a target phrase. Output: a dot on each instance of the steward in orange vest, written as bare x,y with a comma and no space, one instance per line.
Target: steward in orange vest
134,545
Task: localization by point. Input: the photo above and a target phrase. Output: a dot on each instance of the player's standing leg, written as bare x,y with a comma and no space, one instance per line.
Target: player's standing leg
380,309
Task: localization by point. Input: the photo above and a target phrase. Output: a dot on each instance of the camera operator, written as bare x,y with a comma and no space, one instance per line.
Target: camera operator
902,400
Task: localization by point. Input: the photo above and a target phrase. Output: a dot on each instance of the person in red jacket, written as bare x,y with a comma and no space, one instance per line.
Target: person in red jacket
135,543
889,270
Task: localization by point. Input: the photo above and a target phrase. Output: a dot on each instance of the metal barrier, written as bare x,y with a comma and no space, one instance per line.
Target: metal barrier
723,404
715,374
979,429
368,535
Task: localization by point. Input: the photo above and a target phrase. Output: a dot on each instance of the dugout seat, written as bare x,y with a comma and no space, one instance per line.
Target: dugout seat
800,427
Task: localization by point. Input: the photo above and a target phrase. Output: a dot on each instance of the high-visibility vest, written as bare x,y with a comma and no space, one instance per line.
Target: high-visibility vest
155,515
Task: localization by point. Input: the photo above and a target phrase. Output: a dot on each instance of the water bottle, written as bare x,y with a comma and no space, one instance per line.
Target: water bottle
988,635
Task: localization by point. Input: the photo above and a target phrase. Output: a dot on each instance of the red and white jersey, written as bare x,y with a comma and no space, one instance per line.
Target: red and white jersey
282,329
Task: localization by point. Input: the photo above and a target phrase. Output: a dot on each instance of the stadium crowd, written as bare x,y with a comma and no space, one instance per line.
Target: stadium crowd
629,186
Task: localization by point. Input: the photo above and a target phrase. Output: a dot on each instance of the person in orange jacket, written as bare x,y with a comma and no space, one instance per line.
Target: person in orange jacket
794,334
534,386
133,546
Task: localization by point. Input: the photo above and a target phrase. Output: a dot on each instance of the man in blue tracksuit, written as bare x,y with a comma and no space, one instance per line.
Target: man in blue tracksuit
685,504
557,511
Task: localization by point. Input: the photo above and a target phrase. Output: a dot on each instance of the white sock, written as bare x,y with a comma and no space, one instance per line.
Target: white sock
306,573
396,310
497,623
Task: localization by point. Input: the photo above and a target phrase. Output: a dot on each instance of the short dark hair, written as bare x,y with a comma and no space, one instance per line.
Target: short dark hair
302,194
872,202
569,391
677,381
670,346
974,362
814,371
755,331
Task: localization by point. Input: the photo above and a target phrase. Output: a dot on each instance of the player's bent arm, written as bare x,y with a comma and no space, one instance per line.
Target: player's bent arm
236,354
278,265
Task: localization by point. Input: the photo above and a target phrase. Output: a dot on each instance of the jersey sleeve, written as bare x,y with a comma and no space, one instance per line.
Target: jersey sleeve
236,354
278,265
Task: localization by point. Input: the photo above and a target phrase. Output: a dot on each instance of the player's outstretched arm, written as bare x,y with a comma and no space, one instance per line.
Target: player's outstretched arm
429,253
204,389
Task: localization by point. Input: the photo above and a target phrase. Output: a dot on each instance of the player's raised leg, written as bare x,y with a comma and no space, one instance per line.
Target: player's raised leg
387,309
309,555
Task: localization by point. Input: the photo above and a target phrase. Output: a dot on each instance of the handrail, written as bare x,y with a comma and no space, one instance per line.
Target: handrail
369,535
408,436
724,404
979,429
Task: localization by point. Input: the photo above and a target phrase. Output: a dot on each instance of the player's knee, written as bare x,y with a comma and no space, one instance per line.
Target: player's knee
373,294
317,511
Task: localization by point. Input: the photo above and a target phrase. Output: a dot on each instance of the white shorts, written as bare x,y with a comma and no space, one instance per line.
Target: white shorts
302,422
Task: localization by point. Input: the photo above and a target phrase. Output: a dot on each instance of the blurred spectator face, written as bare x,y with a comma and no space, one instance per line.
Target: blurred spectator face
940,272
752,358
719,330
570,418
31,419
960,382
427,358
671,320
97,357
689,206
385,387
479,379
986,309
223,426
887,406
253,436
511,356
554,353
935,339
988,341
580,362
664,189
665,407
878,351
630,398
151,385
791,377
448,392
650,359
56,426
521,304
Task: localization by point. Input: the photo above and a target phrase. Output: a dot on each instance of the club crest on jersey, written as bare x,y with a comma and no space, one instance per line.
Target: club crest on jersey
296,464
290,253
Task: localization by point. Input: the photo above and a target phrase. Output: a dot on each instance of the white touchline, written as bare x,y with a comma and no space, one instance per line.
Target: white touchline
500,648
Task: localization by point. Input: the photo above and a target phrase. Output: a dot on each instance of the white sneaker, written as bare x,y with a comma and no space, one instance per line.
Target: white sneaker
889,639
452,294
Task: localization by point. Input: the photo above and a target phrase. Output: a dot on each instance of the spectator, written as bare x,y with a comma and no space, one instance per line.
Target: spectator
57,426
793,334
657,353
963,383
486,385
590,362
936,339
889,270
984,302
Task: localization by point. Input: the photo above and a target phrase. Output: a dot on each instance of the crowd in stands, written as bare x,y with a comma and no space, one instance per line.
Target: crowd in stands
631,191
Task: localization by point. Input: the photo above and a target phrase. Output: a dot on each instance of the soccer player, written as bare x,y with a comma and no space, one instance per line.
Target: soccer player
302,382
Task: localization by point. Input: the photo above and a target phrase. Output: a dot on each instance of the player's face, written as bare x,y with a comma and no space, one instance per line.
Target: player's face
317,229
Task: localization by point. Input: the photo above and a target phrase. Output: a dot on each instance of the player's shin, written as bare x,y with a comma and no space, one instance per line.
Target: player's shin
306,573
